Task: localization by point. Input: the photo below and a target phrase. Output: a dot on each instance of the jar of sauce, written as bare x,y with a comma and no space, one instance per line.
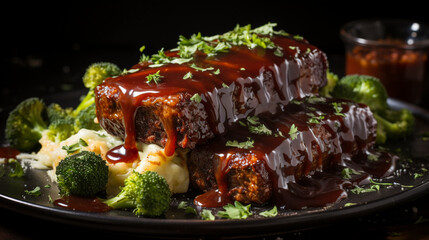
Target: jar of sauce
395,51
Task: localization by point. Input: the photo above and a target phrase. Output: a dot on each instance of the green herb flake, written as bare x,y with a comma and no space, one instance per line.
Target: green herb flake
196,98
16,170
216,72
207,215
359,190
417,175
278,52
373,157
270,213
346,173
155,77
224,85
236,211
260,129
35,192
350,204
188,209
338,108
200,68
243,145
293,132
298,37
188,75
83,143
253,120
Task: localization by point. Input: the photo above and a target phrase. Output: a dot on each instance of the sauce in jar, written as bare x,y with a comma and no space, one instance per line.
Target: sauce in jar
402,71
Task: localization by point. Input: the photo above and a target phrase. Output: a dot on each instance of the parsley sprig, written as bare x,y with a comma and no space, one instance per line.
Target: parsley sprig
213,45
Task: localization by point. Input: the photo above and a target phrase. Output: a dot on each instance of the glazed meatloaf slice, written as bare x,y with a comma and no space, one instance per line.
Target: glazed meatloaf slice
283,158
188,103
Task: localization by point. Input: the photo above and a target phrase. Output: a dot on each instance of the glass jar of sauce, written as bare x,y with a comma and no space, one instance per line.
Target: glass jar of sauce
395,51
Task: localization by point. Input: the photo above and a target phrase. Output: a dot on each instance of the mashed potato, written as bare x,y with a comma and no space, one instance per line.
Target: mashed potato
152,158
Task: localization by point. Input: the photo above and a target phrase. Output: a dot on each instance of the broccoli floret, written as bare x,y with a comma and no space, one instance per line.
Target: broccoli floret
97,72
363,89
55,112
94,76
394,125
83,174
330,85
61,128
147,194
25,124
85,119
391,124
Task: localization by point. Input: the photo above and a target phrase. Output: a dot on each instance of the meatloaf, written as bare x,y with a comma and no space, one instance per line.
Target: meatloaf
194,101
284,159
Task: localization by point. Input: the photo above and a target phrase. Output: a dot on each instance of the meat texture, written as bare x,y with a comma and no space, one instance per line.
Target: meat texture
187,112
263,158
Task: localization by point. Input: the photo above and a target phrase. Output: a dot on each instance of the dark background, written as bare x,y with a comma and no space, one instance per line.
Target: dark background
46,48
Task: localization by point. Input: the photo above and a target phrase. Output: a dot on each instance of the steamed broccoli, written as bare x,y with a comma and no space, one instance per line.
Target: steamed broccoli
85,119
363,89
332,80
147,194
394,124
83,174
391,124
61,128
94,76
61,122
25,124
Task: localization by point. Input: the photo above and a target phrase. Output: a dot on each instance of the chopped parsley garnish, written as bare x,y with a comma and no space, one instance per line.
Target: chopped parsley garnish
200,68
346,173
75,147
270,213
260,129
315,119
338,108
293,132
35,192
207,215
236,211
187,75
244,145
375,186
196,98
217,72
16,169
155,77
213,45
255,126
188,209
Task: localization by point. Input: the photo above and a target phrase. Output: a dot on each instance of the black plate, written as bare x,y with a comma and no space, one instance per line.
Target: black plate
405,187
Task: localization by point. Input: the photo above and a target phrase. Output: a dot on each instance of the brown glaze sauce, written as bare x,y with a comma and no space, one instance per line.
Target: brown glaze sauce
318,185
238,64
82,204
8,152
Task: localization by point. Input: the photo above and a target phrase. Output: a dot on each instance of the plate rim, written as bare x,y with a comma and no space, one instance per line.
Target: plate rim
199,227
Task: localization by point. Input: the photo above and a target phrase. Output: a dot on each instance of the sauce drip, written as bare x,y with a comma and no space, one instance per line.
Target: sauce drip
8,152
298,169
82,204
242,81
